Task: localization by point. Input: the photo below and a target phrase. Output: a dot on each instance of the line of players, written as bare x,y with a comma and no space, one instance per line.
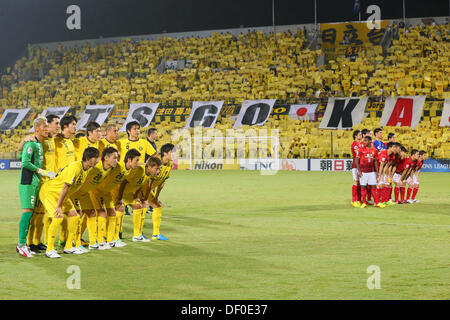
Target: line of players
376,165
87,182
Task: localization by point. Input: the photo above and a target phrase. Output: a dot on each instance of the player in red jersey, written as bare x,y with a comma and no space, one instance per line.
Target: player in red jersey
356,188
413,180
384,159
367,165
386,170
366,132
399,178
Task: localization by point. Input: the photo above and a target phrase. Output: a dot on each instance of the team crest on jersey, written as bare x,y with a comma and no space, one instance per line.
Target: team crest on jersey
119,177
79,179
97,178
30,150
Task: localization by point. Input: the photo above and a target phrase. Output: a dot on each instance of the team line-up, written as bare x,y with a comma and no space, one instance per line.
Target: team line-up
376,165
68,185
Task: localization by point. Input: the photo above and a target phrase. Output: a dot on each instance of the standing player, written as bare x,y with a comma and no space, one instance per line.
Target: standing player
152,190
65,155
91,139
56,196
378,143
152,136
32,162
134,142
128,193
391,137
368,133
367,165
104,203
112,134
356,188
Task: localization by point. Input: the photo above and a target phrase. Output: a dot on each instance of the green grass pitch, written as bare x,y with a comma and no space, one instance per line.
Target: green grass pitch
242,235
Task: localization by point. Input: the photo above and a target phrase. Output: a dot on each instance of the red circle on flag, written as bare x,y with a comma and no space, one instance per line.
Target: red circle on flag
301,111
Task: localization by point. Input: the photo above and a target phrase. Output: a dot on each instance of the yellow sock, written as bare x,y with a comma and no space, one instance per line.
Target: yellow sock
63,233
92,230
136,222
52,232
110,228
81,228
101,229
156,217
47,221
39,226
72,227
141,226
118,226
31,229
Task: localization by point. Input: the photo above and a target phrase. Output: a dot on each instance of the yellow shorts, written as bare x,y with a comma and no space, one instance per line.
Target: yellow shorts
49,201
102,200
127,197
83,201
39,208
143,191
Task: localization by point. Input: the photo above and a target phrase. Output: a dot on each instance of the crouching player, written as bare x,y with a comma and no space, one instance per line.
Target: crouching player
413,180
56,197
128,194
104,203
367,165
401,170
110,158
152,190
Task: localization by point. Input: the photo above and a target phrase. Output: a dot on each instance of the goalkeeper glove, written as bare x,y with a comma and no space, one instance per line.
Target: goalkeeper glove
46,173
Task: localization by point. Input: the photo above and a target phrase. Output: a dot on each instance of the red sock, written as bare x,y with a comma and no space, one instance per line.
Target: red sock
408,193
364,195
402,194
389,193
375,194
386,194
396,191
354,193
359,193
415,190
369,192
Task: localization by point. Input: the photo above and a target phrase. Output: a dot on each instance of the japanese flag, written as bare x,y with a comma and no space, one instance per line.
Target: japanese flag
303,111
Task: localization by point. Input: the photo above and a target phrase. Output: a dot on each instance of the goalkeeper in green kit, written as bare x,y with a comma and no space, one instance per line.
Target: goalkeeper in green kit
32,157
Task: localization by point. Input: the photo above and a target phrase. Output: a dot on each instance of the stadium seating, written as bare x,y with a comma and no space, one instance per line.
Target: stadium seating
250,66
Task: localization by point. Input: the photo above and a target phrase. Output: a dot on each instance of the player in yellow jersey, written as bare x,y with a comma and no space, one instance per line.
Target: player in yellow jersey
134,142
109,160
151,191
64,148
105,204
56,196
111,139
127,193
91,139
65,155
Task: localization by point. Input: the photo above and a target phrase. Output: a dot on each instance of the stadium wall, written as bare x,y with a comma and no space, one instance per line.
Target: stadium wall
310,28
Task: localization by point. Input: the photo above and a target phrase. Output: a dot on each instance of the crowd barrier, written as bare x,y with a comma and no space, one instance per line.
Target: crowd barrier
430,165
